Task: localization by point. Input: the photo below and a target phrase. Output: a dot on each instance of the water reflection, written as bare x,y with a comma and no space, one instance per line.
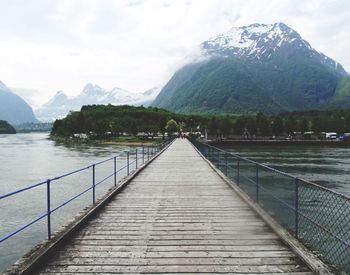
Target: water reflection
31,158
329,167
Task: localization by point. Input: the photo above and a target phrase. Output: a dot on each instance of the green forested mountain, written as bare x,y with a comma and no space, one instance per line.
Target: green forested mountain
215,86
341,98
267,68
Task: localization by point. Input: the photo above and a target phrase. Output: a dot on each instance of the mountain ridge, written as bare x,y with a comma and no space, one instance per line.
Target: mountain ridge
278,66
14,109
61,104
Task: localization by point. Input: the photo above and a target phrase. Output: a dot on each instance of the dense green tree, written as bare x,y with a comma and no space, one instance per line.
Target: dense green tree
251,125
213,126
262,124
277,126
316,125
303,125
226,126
172,127
291,124
161,125
6,128
347,124
98,120
240,125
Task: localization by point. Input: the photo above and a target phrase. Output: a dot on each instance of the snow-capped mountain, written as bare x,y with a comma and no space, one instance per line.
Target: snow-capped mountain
60,105
260,67
264,42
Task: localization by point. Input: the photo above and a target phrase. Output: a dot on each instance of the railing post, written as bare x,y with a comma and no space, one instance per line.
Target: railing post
93,184
48,209
136,158
148,152
128,162
219,159
143,154
226,164
296,214
115,171
237,171
257,182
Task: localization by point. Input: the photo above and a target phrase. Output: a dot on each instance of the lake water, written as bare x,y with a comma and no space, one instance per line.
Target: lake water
327,166
26,159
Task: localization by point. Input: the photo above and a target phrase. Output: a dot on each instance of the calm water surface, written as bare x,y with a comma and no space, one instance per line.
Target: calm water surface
327,166
30,158
26,159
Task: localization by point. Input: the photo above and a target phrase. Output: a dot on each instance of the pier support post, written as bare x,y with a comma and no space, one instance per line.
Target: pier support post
296,211
128,162
257,182
93,184
237,171
115,171
48,209
136,157
219,159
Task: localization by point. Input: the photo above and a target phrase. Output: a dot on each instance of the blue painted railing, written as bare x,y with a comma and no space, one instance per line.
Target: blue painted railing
133,159
315,215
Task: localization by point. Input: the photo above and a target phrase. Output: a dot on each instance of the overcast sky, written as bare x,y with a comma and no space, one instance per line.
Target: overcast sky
51,45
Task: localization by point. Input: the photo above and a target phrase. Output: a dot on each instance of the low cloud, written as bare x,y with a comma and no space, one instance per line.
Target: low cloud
62,44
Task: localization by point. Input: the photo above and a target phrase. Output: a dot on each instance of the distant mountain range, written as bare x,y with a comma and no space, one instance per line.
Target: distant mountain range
60,105
268,68
13,108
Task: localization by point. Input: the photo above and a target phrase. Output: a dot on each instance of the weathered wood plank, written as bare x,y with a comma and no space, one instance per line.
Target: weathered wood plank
172,261
177,216
178,268
175,254
175,248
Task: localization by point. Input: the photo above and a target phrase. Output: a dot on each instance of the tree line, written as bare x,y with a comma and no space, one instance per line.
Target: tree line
104,120
286,123
99,120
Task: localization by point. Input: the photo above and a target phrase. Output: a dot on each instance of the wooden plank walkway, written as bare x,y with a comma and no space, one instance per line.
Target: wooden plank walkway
176,216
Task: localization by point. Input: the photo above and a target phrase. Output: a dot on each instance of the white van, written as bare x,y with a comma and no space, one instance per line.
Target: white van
331,136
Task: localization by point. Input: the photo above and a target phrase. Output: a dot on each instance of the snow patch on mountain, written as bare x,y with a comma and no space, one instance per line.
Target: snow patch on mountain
61,104
263,42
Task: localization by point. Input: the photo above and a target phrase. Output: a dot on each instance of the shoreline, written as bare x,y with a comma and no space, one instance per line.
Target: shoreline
325,143
131,143
101,141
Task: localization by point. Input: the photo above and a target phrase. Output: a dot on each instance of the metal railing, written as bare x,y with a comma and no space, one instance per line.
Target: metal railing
133,160
316,216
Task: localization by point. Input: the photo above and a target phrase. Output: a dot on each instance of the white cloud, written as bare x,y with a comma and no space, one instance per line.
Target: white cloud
51,45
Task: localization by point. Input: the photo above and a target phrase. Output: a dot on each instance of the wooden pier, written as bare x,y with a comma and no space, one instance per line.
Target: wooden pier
176,216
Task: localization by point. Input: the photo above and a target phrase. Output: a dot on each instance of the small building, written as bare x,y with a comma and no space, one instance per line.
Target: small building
80,135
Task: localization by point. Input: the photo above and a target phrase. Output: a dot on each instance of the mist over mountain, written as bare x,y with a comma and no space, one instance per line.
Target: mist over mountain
61,104
260,67
13,108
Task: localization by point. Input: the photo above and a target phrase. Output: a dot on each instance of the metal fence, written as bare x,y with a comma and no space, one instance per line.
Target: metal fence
128,162
315,215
